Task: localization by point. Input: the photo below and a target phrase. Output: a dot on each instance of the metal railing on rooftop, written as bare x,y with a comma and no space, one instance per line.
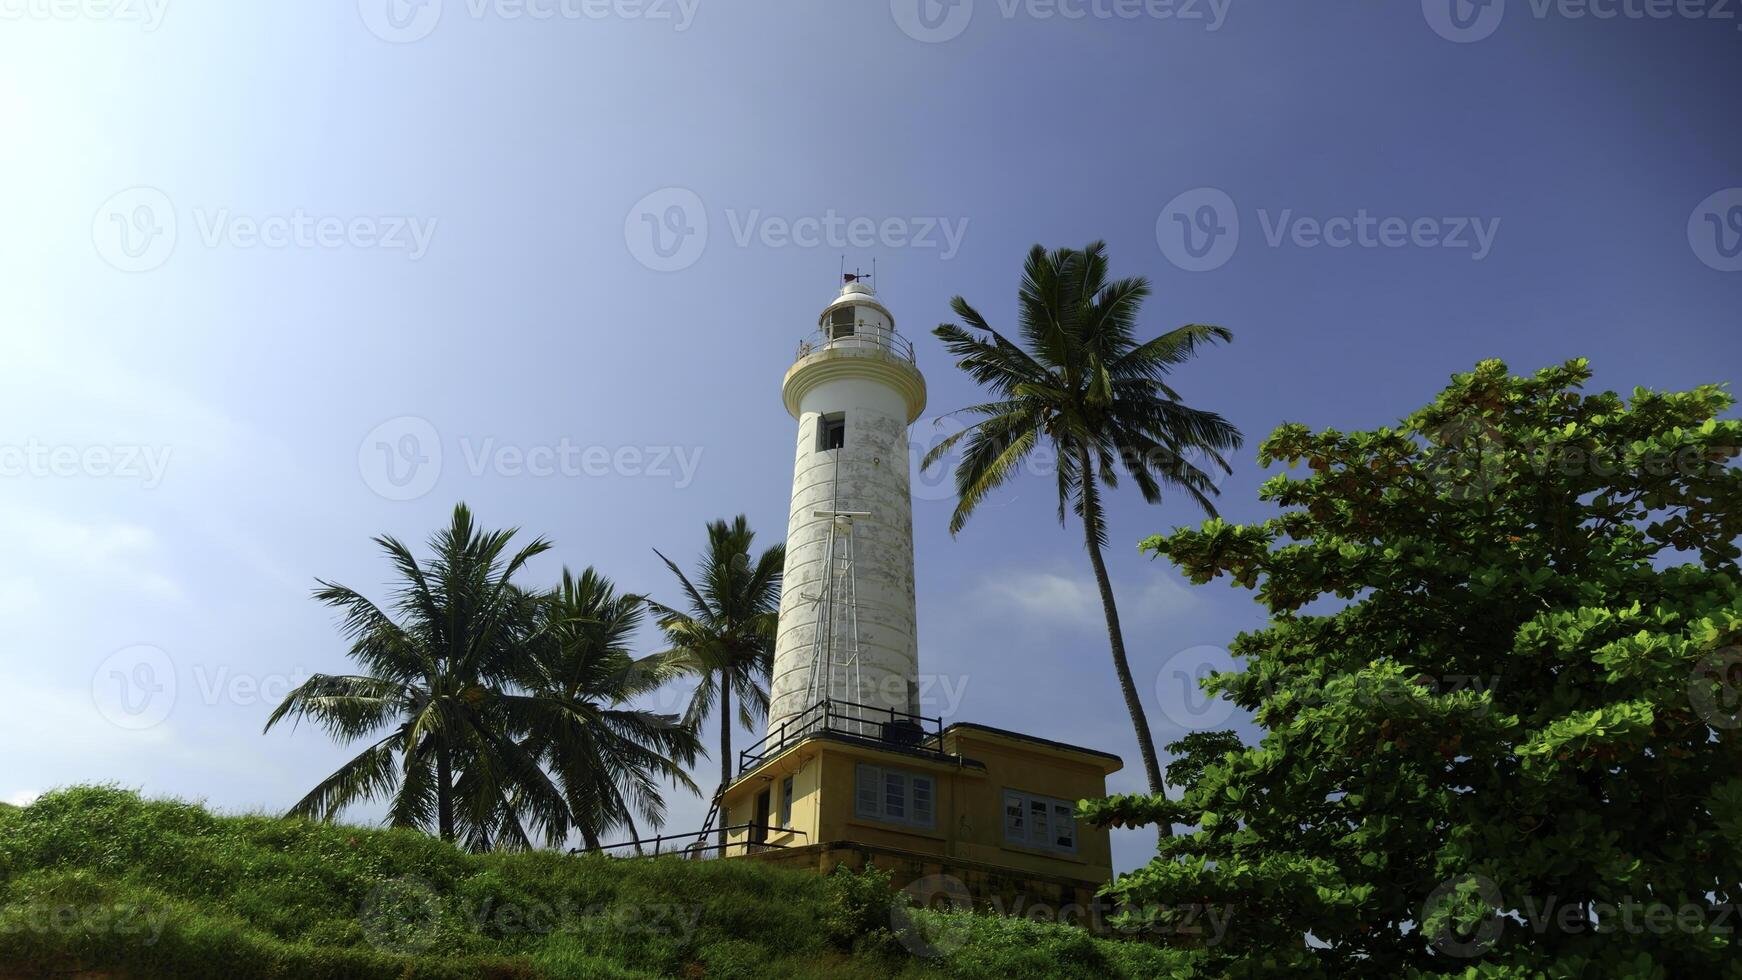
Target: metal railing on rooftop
885,727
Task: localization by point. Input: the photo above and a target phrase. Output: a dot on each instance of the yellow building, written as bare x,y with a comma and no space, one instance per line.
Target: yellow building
991,809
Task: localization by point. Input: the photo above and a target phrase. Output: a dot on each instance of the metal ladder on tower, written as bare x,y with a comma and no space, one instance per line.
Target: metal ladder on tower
837,605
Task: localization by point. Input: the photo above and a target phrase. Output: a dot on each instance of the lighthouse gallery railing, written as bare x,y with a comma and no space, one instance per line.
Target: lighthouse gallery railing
865,722
885,342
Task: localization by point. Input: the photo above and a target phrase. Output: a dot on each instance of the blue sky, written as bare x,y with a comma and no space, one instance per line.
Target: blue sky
244,245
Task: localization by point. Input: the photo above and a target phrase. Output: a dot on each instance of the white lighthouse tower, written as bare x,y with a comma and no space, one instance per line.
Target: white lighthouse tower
849,771
847,625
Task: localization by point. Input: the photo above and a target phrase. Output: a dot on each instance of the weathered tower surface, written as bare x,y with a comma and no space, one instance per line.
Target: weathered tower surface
847,628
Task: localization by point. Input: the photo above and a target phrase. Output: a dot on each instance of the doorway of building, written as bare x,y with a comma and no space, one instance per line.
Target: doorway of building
759,823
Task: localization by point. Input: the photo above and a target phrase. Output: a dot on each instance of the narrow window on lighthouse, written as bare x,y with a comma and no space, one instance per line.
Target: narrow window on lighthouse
832,431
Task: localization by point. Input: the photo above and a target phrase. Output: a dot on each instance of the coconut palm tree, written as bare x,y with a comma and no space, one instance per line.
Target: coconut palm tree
436,695
1082,384
608,758
727,636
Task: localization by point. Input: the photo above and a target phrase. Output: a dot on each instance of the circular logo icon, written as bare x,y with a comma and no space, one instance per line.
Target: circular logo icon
1179,688
937,481
1465,455
914,915
1199,230
1464,21
1715,230
932,21
1461,916
401,458
134,687
667,230
1715,688
400,21
134,230
401,915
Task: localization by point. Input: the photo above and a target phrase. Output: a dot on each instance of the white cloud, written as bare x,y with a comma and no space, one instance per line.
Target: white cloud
82,396
1042,596
23,797
18,594
1057,600
46,546
78,727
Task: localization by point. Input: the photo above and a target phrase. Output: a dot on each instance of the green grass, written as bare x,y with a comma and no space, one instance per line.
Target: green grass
97,878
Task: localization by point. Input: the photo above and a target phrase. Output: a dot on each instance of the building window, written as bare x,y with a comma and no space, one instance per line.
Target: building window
786,803
893,796
1039,821
841,320
832,431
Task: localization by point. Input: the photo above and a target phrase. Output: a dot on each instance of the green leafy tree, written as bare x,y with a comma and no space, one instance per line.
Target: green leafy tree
726,638
1089,390
1498,695
436,695
609,757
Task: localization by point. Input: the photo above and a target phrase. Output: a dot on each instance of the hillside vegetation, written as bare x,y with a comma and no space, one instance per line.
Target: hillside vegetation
96,878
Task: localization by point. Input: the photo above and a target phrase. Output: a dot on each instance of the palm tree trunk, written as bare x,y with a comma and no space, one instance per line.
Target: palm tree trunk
590,839
1115,636
444,793
725,749
634,834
